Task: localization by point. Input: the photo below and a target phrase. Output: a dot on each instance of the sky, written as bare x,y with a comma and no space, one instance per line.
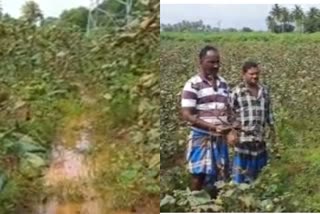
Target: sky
229,15
48,7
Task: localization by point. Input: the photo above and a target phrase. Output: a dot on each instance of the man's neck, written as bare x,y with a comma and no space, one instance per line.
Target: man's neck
209,77
251,86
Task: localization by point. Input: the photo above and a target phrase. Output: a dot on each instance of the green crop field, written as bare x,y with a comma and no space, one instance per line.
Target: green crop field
291,68
93,97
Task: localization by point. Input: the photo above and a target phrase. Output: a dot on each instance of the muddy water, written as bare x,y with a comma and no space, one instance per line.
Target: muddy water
69,172
69,163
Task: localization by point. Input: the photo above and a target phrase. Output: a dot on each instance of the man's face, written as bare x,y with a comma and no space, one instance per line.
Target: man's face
252,76
210,64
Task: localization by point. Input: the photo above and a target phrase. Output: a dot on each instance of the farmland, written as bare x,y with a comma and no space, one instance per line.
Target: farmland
291,70
78,122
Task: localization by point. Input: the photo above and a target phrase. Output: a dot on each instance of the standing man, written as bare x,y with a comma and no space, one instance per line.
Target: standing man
251,102
204,99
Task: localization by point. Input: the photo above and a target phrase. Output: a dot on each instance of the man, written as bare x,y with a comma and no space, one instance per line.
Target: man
204,102
251,102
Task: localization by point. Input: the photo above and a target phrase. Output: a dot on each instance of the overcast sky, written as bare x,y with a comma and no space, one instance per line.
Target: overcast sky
48,7
231,15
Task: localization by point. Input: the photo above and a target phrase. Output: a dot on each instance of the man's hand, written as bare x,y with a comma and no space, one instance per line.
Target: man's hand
194,120
223,129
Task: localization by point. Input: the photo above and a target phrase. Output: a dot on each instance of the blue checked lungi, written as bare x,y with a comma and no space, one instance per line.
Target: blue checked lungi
208,155
248,164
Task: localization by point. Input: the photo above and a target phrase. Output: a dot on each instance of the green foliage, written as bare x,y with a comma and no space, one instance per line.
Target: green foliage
44,71
133,101
246,29
281,20
49,21
22,161
312,21
76,16
131,73
289,38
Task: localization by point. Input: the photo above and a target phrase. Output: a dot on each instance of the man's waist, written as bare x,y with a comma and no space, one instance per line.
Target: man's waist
211,112
215,120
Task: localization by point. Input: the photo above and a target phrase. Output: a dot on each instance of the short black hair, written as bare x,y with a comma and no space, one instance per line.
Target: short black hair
249,64
205,50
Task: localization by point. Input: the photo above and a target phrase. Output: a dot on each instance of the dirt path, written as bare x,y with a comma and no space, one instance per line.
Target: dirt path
70,176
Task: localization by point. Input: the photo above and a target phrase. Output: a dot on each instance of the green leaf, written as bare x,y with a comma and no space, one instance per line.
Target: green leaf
167,200
138,137
154,161
199,197
248,200
61,54
34,160
244,186
229,193
220,184
279,209
3,181
56,92
144,2
27,144
19,104
107,96
128,176
209,208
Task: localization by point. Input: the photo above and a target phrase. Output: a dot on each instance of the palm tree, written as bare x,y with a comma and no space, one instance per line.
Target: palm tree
271,23
313,12
276,12
298,16
312,21
31,12
285,17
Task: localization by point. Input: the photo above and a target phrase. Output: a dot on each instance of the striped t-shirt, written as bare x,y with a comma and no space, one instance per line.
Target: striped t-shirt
205,100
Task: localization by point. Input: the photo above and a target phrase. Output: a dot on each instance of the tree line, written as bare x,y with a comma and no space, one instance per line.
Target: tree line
280,20
198,26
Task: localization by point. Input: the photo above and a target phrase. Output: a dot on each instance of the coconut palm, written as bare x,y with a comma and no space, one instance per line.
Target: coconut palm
298,17
271,23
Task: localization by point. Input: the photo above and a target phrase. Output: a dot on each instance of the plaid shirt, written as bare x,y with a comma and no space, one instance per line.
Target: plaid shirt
252,112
